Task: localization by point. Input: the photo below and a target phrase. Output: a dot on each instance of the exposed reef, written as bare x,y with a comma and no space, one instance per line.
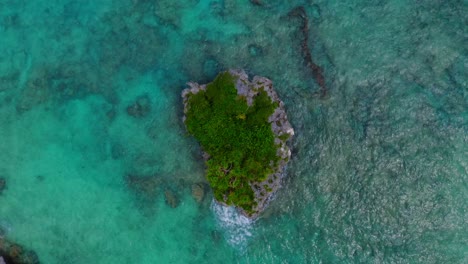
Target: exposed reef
243,130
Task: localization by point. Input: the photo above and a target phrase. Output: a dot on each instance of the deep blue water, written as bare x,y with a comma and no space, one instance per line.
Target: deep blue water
379,172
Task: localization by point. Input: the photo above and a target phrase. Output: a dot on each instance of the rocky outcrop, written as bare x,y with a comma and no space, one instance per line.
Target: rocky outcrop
280,126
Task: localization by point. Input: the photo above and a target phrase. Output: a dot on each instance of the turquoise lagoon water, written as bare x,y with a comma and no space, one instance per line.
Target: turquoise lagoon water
379,172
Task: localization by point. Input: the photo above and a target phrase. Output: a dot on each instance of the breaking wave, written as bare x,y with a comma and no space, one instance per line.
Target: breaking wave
237,228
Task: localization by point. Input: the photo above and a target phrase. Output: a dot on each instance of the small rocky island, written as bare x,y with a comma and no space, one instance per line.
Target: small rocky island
243,129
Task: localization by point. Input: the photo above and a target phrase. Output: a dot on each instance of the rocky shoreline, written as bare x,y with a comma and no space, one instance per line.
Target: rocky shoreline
280,126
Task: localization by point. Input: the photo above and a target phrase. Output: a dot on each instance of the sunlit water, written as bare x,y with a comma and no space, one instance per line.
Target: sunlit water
379,172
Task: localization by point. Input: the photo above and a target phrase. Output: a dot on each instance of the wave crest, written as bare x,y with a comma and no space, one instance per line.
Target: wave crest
237,228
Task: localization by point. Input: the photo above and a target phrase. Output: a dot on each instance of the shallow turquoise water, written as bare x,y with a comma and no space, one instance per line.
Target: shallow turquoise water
380,167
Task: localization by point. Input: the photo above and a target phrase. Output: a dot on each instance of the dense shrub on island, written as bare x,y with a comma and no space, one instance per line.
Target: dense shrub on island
243,129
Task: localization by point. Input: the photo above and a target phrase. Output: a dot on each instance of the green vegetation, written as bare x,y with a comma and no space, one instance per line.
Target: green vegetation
237,137
284,137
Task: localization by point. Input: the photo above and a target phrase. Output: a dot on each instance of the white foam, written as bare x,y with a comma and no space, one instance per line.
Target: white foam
237,228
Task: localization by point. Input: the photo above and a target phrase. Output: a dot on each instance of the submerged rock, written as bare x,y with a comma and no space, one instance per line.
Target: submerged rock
12,253
36,91
256,2
2,185
198,192
171,199
255,50
140,108
145,186
251,179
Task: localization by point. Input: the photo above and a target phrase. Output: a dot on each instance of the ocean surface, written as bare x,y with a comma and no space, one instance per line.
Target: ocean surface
99,168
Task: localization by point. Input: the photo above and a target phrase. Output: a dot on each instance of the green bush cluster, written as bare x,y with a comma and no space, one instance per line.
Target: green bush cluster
237,137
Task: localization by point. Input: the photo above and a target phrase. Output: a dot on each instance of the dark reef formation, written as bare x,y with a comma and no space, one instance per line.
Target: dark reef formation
3,184
317,71
141,107
256,2
12,253
148,188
